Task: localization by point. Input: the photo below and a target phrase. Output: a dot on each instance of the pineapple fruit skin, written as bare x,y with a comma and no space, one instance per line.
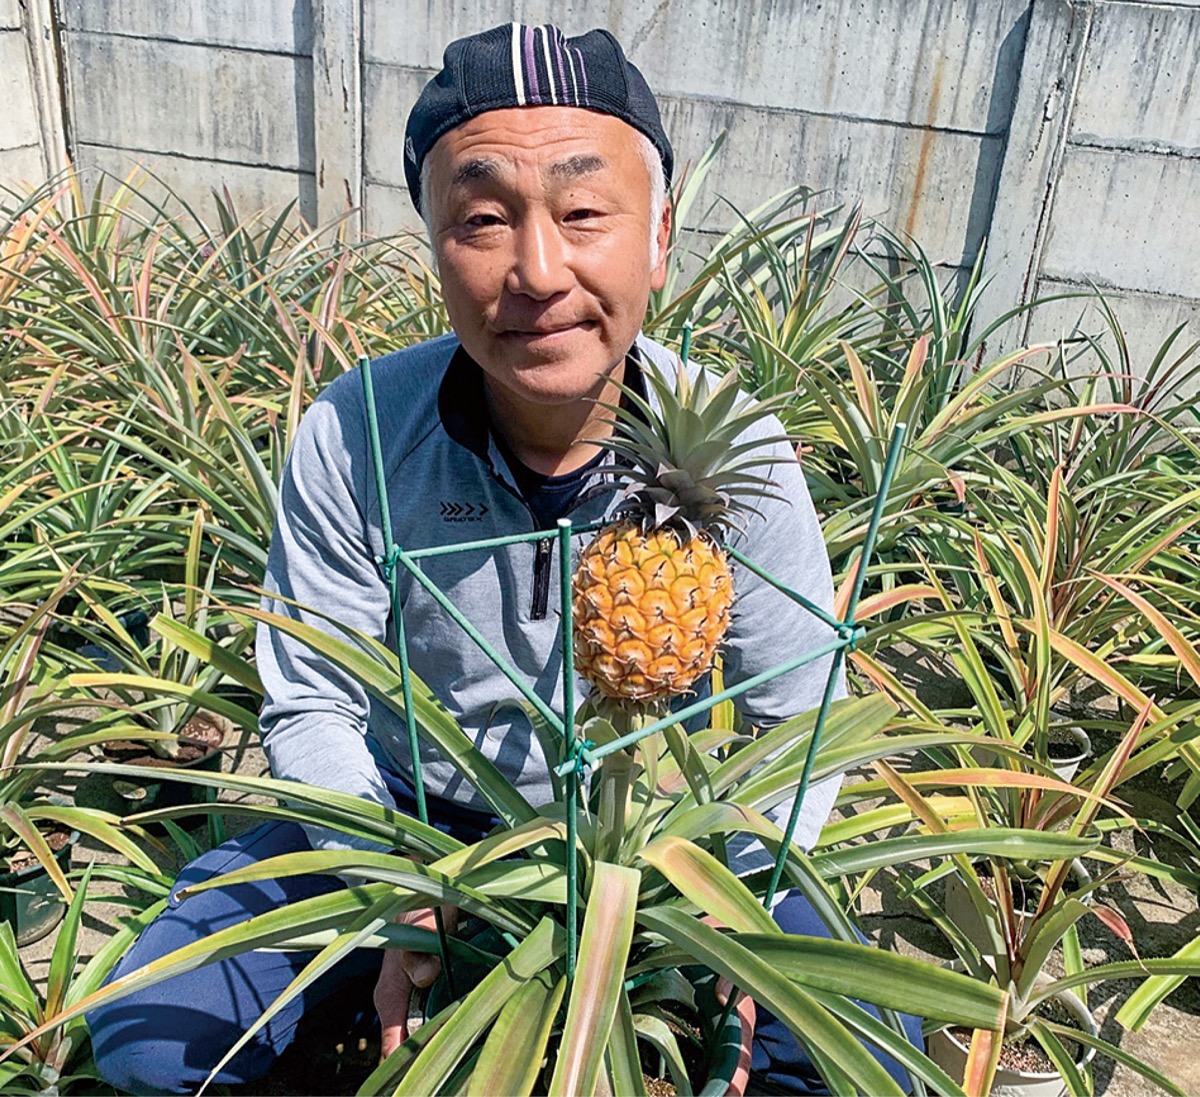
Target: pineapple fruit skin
650,611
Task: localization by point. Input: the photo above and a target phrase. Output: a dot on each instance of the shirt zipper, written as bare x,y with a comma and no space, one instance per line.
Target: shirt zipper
542,566
541,579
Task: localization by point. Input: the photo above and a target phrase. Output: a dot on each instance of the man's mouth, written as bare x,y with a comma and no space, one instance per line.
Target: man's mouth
547,331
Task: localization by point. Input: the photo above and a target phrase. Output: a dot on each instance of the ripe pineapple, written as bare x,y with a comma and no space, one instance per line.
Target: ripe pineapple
653,590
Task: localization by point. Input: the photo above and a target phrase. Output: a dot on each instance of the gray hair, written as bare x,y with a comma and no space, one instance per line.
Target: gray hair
658,197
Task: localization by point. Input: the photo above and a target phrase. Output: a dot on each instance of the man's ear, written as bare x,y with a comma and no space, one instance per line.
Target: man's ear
658,276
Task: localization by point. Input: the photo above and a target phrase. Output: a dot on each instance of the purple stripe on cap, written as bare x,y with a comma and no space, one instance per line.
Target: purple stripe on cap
558,56
531,80
475,74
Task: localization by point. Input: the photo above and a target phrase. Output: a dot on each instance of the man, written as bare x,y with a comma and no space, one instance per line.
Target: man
540,166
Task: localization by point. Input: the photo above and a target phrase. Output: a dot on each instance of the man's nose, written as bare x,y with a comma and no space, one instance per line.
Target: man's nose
540,268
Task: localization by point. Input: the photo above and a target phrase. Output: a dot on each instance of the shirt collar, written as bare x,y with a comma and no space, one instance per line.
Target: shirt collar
462,404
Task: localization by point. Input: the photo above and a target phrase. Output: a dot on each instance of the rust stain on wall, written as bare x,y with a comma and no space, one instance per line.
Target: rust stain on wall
935,93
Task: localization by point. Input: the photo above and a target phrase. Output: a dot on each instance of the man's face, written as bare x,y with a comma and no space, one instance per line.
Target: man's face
541,223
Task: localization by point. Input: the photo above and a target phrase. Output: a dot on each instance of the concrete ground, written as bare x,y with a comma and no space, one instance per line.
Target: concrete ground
1163,917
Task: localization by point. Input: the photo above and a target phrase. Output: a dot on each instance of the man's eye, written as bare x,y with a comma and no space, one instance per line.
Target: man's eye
483,220
581,215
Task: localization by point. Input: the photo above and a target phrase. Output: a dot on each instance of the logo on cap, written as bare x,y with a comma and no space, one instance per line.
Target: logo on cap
410,150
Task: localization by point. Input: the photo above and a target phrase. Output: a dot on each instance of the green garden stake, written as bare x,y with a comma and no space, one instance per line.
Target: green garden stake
387,564
895,447
850,633
494,542
794,595
571,796
571,735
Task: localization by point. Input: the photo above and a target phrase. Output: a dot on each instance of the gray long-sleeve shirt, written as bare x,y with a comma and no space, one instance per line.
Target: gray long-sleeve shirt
447,483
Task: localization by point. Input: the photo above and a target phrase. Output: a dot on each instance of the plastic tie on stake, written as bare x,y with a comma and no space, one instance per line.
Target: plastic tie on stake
387,564
582,756
851,632
579,760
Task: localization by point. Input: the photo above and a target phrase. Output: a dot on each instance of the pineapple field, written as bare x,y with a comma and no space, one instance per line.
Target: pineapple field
1015,552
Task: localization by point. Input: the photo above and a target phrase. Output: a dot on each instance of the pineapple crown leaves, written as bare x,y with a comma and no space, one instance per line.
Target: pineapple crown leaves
682,463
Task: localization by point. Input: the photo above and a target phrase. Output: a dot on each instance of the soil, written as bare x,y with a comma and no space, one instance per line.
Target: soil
1026,893
1062,747
337,1071
56,838
200,736
1025,1053
686,1031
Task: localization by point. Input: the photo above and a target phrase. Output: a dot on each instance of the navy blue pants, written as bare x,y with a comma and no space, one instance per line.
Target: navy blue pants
166,1038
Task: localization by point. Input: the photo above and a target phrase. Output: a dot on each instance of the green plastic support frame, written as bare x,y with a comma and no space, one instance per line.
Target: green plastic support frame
578,754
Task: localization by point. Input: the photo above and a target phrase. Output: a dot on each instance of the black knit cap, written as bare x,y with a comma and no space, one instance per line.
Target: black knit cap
518,66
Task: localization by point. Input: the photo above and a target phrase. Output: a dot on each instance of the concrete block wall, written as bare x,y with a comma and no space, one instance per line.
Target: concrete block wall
213,94
21,159
1101,179
1064,133
1124,211
846,97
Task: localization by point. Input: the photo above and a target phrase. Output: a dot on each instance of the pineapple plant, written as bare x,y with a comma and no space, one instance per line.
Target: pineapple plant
653,590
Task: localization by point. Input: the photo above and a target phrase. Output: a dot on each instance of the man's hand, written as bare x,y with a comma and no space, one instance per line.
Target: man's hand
747,1014
401,972
744,1008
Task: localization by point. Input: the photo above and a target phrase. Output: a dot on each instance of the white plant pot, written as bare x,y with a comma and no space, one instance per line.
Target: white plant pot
1066,768
950,1054
961,911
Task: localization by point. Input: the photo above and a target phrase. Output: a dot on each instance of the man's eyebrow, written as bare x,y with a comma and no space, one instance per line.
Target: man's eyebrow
486,170
575,166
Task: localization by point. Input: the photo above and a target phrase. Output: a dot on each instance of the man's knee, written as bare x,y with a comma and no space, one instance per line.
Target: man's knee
145,1047
777,1055
165,1038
